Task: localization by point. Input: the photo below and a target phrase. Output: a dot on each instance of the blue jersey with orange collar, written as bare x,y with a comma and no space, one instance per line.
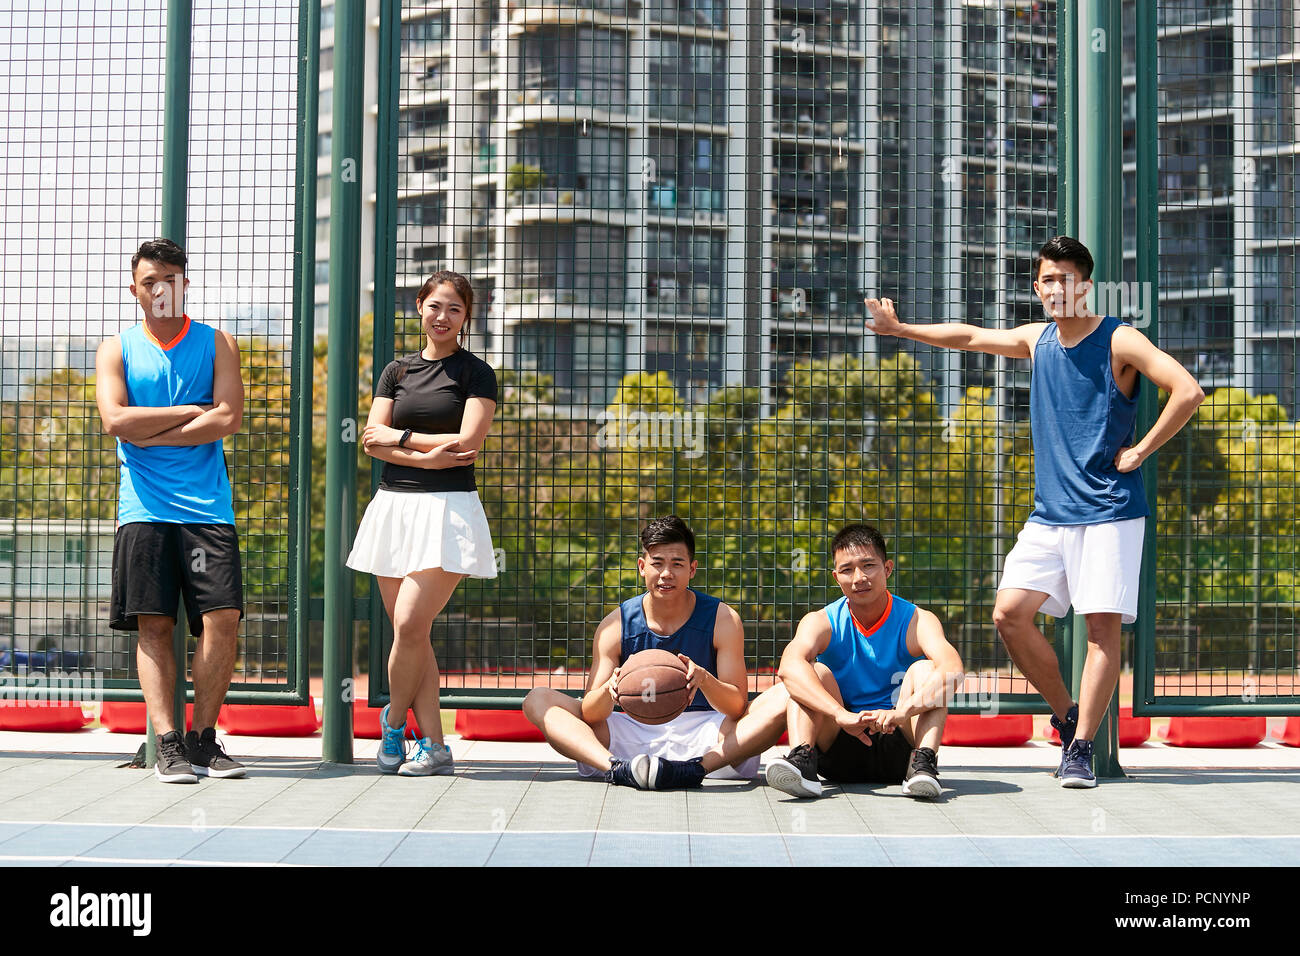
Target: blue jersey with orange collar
172,484
869,662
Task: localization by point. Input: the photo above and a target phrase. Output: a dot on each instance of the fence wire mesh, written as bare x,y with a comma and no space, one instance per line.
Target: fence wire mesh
671,217
83,87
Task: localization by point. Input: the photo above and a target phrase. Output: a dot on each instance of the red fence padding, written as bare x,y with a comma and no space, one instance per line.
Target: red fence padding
972,730
365,721
1291,732
128,717
496,725
1133,731
1215,731
59,718
268,720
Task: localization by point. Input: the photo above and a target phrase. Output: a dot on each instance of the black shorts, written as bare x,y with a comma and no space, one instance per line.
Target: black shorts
155,562
849,760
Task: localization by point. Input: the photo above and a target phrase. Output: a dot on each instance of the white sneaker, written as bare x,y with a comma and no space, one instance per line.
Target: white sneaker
430,760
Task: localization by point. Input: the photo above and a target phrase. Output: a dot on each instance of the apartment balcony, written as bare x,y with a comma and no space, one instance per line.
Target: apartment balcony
1193,99
1206,183
425,181
707,15
698,203
568,11
1213,276
1191,13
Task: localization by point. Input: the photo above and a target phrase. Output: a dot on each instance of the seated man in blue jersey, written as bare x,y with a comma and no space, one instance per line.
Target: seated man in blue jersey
169,390
868,680
708,637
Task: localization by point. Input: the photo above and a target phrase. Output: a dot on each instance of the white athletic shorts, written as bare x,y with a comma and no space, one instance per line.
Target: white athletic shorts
1095,567
693,734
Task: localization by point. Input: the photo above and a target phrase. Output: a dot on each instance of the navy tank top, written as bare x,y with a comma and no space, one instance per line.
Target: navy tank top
1079,420
694,638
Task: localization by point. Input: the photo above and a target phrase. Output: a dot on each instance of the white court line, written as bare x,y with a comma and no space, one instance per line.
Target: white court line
140,861
679,833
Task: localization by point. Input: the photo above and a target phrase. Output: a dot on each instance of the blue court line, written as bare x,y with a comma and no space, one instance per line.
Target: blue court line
28,843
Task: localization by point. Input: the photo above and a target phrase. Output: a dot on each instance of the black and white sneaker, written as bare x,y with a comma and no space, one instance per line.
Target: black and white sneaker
796,773
207,757
922,778
172,766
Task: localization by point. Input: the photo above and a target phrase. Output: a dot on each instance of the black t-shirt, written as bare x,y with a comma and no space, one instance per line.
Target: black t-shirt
429,398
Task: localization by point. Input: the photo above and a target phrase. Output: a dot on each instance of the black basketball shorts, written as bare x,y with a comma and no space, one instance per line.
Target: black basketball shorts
155,562
849,760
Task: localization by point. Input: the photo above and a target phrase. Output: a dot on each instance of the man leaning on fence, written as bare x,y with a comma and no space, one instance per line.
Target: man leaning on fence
169,390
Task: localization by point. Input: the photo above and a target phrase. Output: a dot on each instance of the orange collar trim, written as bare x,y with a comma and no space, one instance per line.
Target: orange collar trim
167,346
868,631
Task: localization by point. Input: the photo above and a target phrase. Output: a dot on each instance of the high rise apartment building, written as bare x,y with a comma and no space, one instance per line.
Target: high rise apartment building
589,163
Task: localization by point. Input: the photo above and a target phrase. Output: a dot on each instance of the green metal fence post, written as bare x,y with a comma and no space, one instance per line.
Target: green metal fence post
176,153
304,335
341,397
385,253
1147,136
1099,227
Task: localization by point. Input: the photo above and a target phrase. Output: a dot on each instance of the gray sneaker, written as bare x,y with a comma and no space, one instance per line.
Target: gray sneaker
430,760
392,746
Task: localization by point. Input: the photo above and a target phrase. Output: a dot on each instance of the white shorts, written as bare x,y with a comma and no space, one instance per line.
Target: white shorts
1095,567
692,734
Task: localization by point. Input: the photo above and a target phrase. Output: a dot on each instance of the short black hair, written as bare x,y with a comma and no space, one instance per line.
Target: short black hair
160,250
668,530
1065,249
859,537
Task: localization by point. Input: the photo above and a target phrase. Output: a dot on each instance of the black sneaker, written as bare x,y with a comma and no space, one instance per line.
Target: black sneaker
172,767
1067,729
207,757
629,773
665,774
922,778
796,773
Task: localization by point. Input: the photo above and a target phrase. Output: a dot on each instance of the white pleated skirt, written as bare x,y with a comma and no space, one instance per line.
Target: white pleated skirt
404,532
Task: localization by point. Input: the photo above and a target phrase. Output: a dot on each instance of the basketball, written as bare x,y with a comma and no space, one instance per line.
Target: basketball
652,687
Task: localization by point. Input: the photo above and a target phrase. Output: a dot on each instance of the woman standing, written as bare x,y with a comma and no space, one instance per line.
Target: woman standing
425,528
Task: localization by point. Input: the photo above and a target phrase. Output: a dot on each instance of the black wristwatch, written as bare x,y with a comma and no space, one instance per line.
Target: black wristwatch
405,435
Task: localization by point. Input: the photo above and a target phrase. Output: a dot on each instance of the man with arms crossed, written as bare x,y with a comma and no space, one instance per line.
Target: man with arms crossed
868,680
707,635
169,390
1082,544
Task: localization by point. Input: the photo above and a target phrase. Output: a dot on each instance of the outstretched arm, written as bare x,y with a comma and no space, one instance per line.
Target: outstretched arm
1013,343
1133,348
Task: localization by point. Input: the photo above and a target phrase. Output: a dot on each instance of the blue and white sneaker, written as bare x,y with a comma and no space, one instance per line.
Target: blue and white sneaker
1067,729
665,774
392,747
1076,766
430,760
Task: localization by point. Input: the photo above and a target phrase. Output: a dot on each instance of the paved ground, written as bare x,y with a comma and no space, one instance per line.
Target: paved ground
518,804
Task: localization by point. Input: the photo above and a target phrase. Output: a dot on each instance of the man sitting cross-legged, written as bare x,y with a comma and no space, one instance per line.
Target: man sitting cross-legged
707,635
869,679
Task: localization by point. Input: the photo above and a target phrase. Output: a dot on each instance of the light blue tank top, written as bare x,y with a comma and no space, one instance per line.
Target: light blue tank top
171,484
1080,420
869,663
694,638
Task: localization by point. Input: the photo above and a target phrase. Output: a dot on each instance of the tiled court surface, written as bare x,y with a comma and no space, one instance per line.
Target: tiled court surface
514,804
